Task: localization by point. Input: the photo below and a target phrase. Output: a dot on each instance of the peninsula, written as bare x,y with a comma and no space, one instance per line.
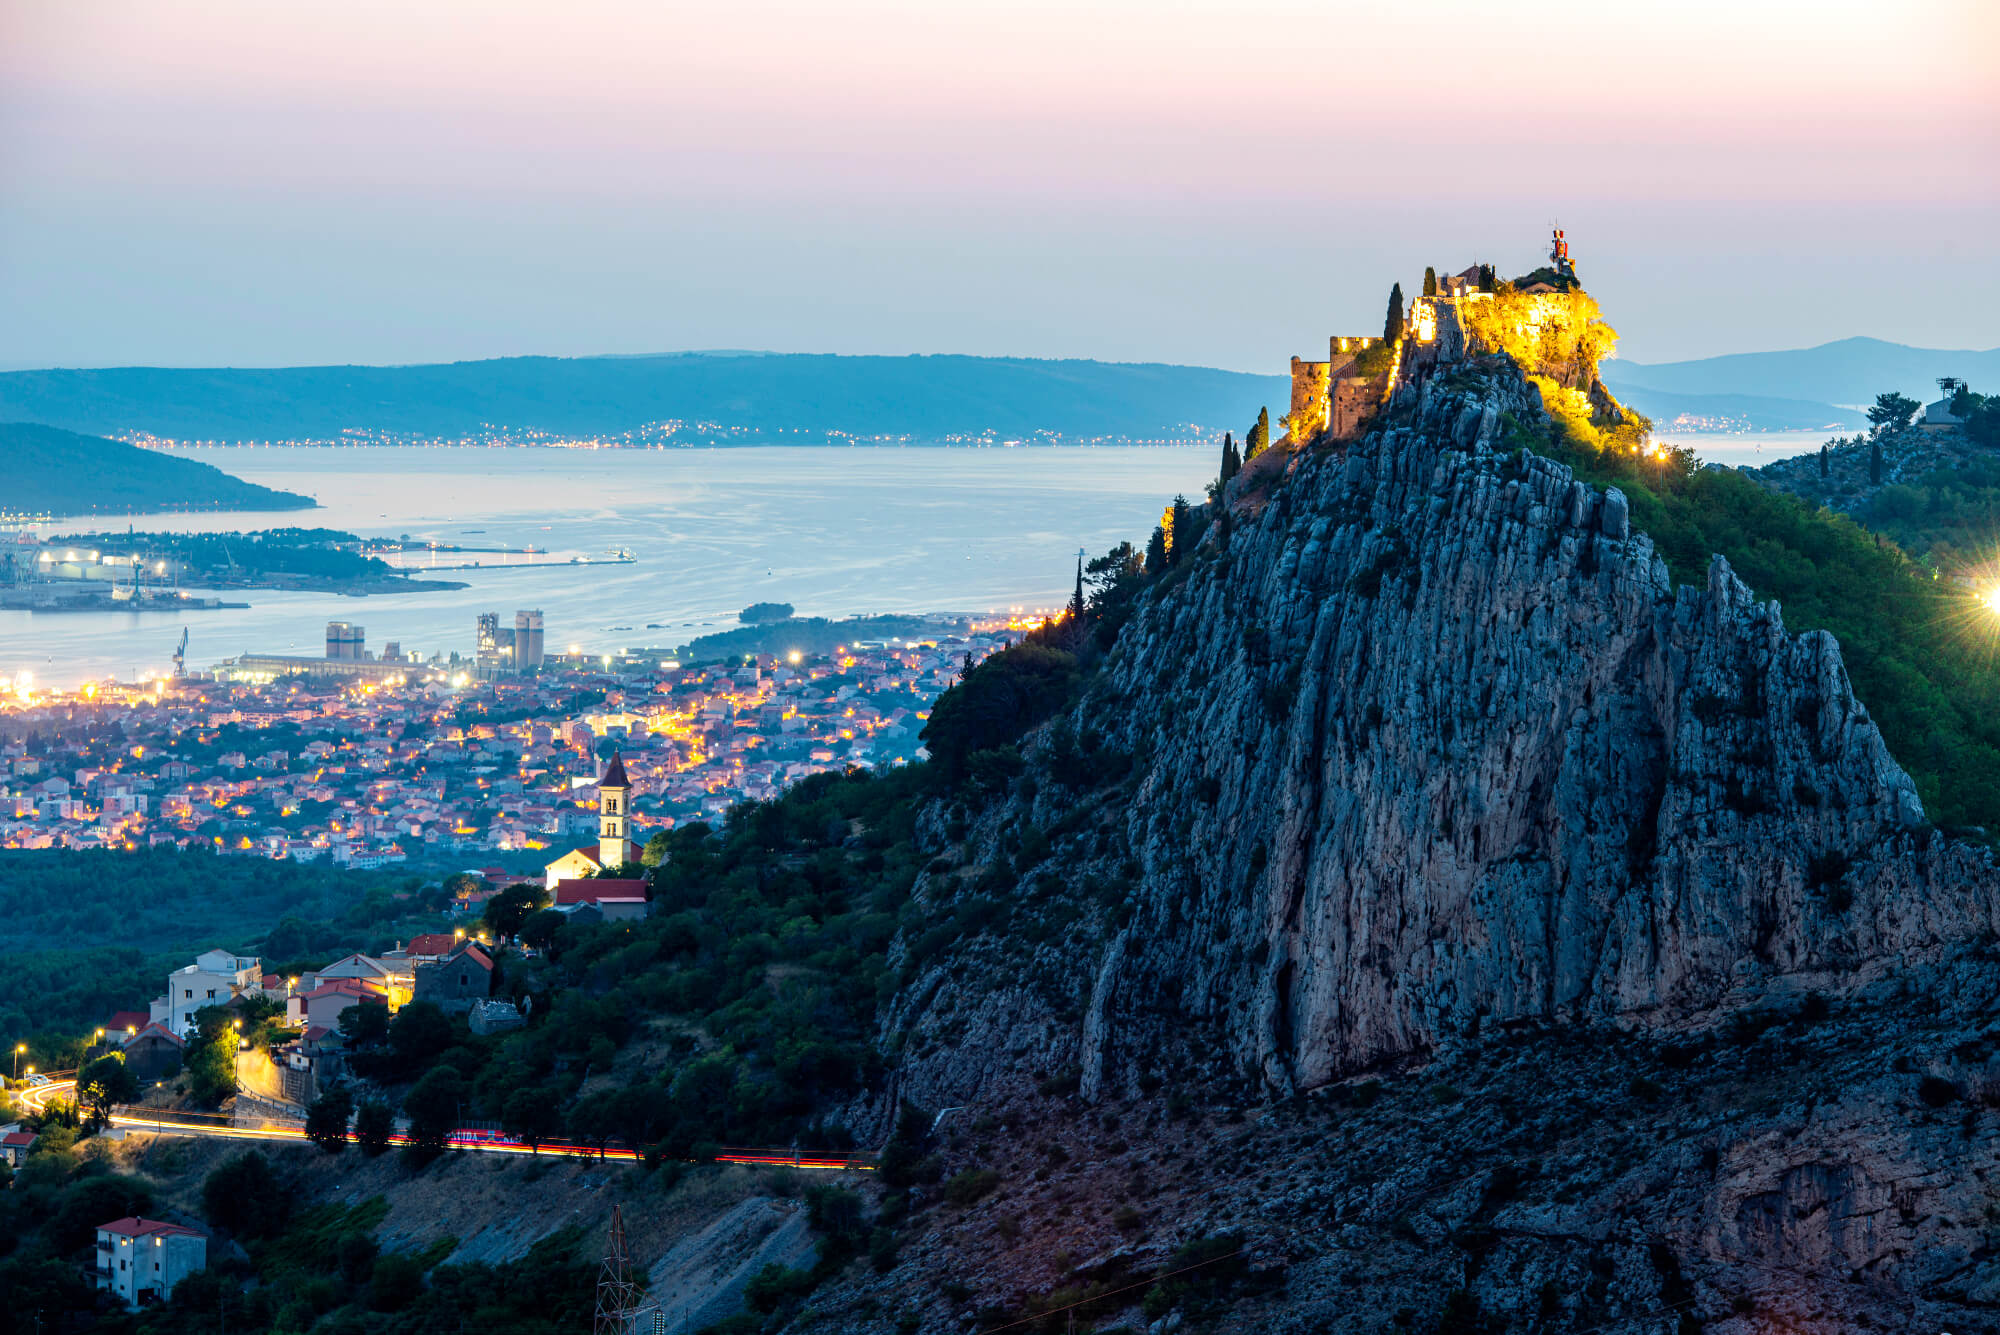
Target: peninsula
50,471
121,571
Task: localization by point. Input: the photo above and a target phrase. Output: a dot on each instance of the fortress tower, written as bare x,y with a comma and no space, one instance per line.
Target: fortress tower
1333,398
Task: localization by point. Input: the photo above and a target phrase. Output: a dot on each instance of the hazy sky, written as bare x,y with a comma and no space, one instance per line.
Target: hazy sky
243,182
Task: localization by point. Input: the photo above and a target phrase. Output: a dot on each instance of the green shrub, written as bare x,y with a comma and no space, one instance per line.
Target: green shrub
971,1185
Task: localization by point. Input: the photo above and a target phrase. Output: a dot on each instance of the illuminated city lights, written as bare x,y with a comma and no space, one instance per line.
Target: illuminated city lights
378,772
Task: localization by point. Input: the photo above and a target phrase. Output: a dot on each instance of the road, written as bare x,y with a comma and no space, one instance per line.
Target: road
220,1126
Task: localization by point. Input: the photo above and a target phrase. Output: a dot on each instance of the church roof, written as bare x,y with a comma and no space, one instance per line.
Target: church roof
614,774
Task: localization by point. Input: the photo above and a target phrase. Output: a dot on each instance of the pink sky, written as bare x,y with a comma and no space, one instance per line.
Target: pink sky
247,183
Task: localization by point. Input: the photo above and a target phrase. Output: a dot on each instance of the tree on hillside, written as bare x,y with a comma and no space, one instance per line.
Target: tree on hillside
432,1106
419,1032
655,851
1259,437
539,932
531,1115
1183,532
1892,412
103,1084
1116,580
506,911
210,1059
1430,281
364,1023
326,1120
997,702
1392,327
244,1197
374,1123
1825,462
1231,463
1874,463
1156,550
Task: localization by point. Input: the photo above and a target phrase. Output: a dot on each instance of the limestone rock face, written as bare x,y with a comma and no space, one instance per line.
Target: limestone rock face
1429,745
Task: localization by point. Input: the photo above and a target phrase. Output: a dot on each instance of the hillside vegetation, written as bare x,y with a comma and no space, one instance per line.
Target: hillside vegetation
1921,651
90,932
57,472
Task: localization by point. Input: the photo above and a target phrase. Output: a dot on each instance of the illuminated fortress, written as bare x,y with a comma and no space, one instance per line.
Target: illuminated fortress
1545,321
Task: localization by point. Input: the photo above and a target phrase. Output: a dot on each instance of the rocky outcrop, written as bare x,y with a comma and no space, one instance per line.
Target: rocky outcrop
1429,744
1671,1006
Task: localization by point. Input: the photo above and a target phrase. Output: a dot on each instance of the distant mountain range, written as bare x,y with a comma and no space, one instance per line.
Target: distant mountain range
746,397
1796,389
723,397
45,470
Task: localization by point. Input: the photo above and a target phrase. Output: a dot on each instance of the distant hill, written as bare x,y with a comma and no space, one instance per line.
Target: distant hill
1851,371
1751,412
51,471
754,397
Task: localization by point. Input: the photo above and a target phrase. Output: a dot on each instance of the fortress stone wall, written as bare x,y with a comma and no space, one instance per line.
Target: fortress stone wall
1551,332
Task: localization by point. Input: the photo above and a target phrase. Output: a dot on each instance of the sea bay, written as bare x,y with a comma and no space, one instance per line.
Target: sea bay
833,531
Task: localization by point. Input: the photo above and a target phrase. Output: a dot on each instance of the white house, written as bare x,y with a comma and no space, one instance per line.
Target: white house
141,1260
212,980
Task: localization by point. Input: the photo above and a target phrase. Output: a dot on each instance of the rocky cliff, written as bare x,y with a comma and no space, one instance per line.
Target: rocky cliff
1429,744
1432,902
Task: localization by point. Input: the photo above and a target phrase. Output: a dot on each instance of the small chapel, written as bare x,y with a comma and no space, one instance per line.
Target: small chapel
614,848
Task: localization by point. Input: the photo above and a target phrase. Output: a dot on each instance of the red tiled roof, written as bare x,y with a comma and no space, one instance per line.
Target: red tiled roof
132,1226
431,943
155,1027
124,1020
587,890
17,1140
614,774
353,987
477,956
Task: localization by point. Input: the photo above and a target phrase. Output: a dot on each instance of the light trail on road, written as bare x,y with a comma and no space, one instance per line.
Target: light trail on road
477,1141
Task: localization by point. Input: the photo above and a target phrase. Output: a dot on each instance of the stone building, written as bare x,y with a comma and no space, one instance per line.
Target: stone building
1333,398
454,982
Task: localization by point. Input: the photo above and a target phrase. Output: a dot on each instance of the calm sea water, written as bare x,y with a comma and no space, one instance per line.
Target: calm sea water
1749,449
832,531
835,532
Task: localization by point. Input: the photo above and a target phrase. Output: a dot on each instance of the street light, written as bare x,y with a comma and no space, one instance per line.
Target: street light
20,1048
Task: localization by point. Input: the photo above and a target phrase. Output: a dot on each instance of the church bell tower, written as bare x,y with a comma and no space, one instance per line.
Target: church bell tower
613,793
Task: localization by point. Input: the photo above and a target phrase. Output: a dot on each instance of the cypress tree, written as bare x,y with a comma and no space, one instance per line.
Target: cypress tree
1179,551
1230,462
1156,551
1392,327
1076,599
1823,463
1875,464
1259,437
1430,281
1486,277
